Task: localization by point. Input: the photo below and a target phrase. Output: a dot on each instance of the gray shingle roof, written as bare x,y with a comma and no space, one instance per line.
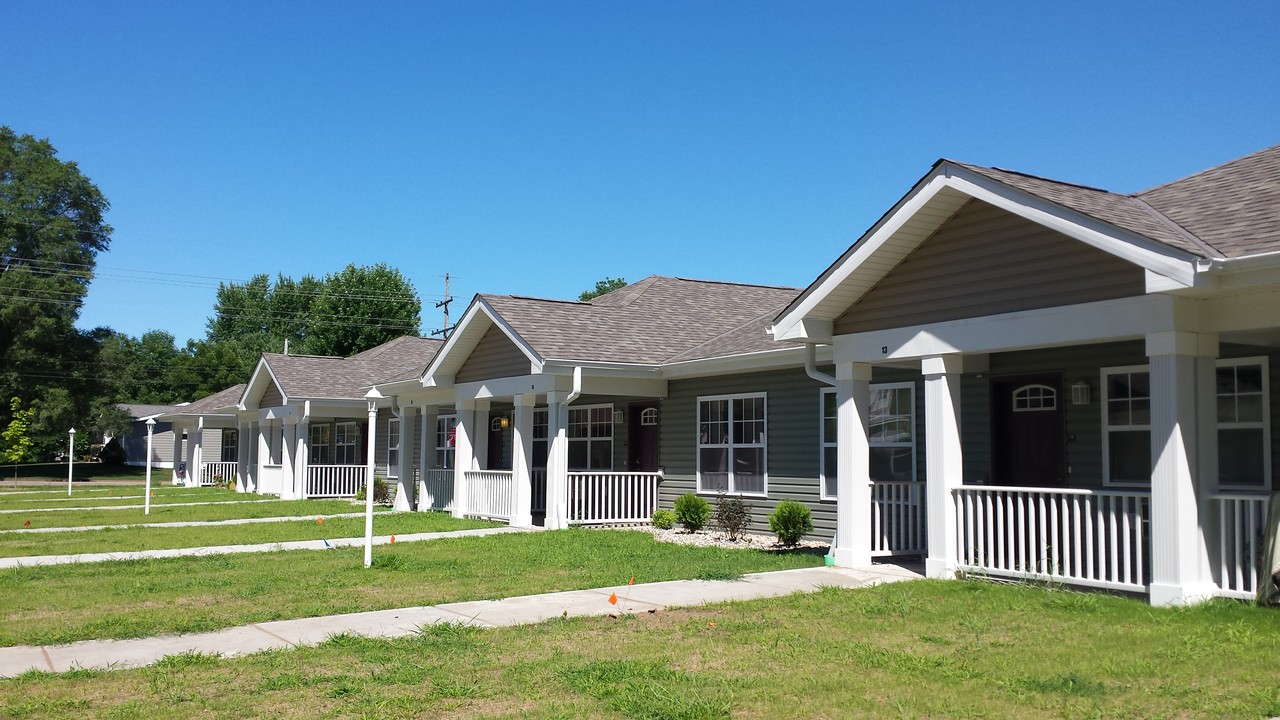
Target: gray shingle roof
1231,210
220,399
656,320
140,410
312,376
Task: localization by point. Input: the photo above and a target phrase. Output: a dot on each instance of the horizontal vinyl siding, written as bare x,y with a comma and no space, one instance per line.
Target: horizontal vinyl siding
271,397
985,261
494,356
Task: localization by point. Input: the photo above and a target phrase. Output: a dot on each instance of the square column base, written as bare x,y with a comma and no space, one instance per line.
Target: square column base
939,569
404,491
850,558
1181,595
521,521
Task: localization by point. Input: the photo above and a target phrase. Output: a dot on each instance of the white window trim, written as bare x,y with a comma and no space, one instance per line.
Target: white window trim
313,446
447,448
1265,425
355,446
823,445
1053,395
588,439
912,443
1222,362
730,445
393,469
234,445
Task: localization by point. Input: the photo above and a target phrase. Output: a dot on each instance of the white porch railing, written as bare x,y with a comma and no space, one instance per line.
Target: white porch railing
1082,537
435,489
334,481
1241,520
597,498
490,494
898,519
271,481
224,470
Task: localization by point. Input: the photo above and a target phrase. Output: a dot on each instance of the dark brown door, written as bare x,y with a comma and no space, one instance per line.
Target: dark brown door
499,441
1028,436
642,437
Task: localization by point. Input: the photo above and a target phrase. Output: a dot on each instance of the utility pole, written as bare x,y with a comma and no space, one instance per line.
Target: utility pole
446,328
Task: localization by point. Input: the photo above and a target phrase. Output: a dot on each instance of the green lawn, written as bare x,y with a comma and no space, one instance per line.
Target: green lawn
192,495
953,649
63,603
161,513
81,471
126,539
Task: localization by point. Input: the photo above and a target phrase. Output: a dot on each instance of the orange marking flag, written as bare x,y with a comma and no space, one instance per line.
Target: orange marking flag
26,524
632,581
319,521
613,598
393,538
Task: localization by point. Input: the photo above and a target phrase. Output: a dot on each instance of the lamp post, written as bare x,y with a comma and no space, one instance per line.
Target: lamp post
373,396
146,502
71,456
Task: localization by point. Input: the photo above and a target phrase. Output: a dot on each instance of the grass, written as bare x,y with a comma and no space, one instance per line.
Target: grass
958,649
138,598
162,512
80,472
127,539
178,495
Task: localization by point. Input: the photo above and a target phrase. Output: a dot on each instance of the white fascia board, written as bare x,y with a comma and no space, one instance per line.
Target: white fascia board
459,331
400,387
1248,311
255,381
1250,271
511,386
784,357
1086,323
478,307
426,397
1161,259
624,386
565,367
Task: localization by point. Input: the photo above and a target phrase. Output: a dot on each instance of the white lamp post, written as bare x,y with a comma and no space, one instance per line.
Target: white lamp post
373,396
146,502
71,457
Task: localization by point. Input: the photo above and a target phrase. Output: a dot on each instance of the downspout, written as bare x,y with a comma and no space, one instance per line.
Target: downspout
577,385
811,366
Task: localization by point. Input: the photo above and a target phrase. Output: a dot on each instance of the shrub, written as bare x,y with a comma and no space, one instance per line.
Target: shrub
664,519
790,521
381,491
112,453
732,516
692,512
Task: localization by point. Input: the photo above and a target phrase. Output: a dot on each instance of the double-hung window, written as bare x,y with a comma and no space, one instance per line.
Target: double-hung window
591,438
539,459
732,444
891,434
393,447
1126,442
830,447
321,439
230,445
445,441
346,436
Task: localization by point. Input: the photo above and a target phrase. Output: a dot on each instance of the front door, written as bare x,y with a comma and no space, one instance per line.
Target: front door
642,437
1028,436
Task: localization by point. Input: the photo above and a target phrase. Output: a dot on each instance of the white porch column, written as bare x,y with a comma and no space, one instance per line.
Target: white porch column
302,456
853,487
177,452
243,439
195,445
1184,463
521,461
405,493
463,456
480,440
557,461
289,477
426,454
264,450
944,471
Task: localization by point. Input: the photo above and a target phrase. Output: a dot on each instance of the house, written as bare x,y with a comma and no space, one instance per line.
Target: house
203,438
134,441
1097,372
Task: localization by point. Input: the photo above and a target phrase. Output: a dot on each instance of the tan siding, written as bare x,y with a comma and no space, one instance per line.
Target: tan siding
985,261
493,357
271,397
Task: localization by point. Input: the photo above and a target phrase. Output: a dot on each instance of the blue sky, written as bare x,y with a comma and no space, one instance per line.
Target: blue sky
534,148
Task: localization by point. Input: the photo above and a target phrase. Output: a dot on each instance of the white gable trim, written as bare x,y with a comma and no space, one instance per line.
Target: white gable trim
253,386
477,319
929,204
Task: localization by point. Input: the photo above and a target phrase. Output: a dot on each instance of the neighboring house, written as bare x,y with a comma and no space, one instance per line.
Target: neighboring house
203,438
134,441
1098,374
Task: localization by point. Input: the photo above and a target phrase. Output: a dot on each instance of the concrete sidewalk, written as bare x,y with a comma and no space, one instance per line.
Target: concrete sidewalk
190,523
134,507
33,560
646,597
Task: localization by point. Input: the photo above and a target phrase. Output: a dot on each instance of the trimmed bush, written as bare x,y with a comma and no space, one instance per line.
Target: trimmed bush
790,521
112,453
381,491
692,512
732,516
664,519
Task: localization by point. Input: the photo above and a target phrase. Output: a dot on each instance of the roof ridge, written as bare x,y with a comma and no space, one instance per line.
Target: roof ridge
1184,233
1055,181
1198,173
737,284
763,316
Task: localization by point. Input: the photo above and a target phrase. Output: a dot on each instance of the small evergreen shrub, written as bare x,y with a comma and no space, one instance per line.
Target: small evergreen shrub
664,519
112,453
790,521
732,516
381,491
692,512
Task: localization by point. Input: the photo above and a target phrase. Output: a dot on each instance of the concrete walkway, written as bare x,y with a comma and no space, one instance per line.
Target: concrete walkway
135,507
645,597
33,560
191,523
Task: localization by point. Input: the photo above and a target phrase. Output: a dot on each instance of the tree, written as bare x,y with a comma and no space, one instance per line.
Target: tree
17,440
51,231
360,308
142,370
603,287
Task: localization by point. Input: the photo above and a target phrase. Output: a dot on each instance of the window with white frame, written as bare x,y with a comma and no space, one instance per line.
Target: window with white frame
731,444
1126,421
321,439
830,446
1244,455
539,459
346,443
590,435
393,447
891,432
1030,398
230,445
446,440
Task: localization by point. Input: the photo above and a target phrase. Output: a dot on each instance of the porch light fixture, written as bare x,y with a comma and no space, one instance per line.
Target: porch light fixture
499,423
1080,393
619,417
